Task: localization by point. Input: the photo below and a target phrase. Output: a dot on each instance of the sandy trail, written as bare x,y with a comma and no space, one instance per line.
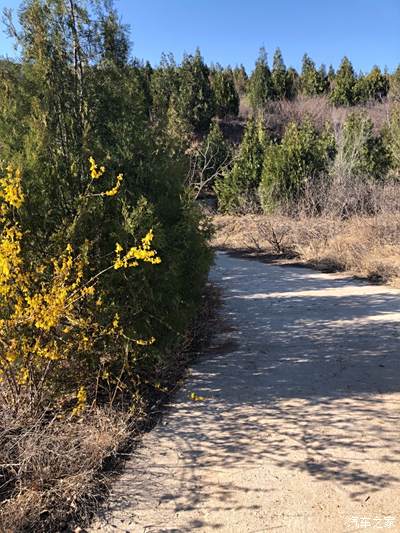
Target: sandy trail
300,427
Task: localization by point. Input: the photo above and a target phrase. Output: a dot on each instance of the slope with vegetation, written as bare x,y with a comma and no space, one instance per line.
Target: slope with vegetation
102,160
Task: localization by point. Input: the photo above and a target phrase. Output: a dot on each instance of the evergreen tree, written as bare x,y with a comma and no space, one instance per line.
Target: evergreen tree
210,159
373,86
279,76
77,96
343,92
237,190
225,95
241,80
261,88
163,86
292,83
312,81
323,80
331,77
394,85
361,153
302,155
195,102
392,142
115,47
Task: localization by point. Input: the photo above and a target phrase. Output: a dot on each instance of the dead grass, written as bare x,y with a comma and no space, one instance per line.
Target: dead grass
320,111
52,469
365,246
55,470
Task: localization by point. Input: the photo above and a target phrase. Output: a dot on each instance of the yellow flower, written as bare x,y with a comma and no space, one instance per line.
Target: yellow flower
115,189
23,376
95,173
196,398
147,342
136,254
81,397
116,321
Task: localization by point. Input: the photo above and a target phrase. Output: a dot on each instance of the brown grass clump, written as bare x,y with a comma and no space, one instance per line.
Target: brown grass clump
365,246
49,468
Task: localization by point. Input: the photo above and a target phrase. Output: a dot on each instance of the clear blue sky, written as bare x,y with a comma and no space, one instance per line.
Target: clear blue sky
231,31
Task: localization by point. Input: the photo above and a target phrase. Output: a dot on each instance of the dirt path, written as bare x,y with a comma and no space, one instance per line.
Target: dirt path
300,427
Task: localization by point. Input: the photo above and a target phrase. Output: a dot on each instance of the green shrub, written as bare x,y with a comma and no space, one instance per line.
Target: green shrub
237,190
303,155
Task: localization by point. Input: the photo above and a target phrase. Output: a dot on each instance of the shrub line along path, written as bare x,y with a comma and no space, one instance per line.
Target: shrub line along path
299,428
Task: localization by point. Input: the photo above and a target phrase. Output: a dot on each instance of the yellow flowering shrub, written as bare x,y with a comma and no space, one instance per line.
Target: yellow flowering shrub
49,313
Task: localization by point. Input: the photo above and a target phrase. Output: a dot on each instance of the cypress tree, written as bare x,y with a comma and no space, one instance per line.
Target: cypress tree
195,102
361,153
394,85
373,86
343,92
225,95
392,142
309,79
261,88
292,83
279,76
302,155
241,80
163,86
238,188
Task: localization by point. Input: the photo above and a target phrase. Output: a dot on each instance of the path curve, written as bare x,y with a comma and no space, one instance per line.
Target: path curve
299,430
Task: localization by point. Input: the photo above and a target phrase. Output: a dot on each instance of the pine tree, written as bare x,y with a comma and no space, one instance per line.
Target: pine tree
237,190
343,92
261,88
115,43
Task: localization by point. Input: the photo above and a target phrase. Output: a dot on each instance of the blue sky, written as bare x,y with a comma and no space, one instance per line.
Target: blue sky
232,31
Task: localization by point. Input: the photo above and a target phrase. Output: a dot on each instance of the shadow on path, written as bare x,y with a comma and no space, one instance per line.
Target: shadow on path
301,386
